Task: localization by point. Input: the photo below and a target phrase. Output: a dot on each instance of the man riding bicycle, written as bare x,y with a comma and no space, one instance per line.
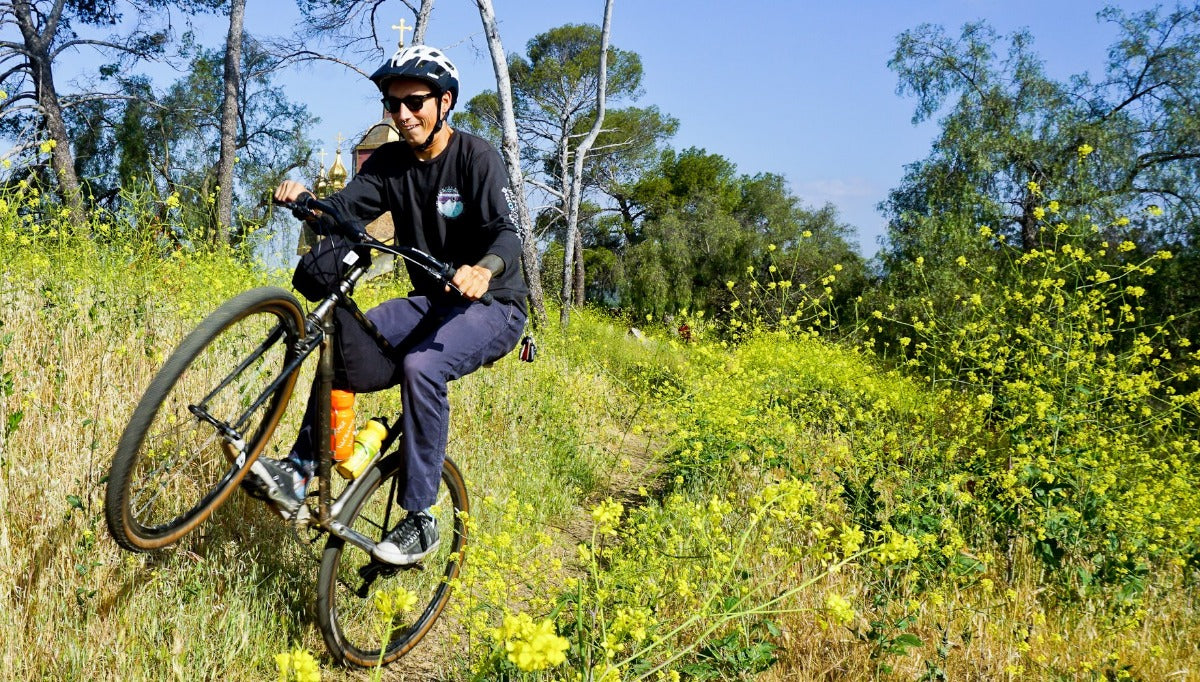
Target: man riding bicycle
449,196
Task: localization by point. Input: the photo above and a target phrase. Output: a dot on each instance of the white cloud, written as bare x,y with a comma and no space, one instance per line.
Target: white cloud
837,191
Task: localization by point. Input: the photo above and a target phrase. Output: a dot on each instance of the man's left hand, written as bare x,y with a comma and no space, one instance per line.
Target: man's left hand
472,281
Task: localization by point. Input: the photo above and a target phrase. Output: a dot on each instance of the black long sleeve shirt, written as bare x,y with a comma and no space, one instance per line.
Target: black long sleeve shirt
456,207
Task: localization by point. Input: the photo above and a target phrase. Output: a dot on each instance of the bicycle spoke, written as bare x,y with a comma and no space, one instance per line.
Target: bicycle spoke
159,475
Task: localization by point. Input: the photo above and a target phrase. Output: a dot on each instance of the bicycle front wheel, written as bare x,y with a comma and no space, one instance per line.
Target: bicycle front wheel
359,600
204,419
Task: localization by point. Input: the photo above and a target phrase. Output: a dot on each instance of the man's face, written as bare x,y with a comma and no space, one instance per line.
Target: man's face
415,126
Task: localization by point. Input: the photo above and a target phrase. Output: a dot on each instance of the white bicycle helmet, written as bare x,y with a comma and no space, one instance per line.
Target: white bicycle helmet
422,63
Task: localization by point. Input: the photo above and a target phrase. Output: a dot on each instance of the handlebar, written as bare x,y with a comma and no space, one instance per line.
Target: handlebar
307,206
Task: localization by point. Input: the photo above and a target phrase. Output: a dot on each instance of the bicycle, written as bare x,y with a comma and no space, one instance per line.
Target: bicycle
209,413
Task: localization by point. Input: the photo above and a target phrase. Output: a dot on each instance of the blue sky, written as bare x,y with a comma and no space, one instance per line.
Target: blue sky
796,88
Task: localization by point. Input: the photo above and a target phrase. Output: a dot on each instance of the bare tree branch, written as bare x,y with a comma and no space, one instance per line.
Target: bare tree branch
310,56
75,100
534,182
16,69
120,47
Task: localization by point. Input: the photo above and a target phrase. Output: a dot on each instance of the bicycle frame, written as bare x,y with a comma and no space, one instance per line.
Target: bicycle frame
320,335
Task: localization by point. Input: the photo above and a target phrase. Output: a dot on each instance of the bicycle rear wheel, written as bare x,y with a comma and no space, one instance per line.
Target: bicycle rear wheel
204,418
351,584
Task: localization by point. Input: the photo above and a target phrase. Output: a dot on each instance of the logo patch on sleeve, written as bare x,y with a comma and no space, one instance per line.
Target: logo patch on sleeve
449,202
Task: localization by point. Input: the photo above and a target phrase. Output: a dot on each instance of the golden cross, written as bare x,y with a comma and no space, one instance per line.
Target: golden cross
322,155
402,28
339,141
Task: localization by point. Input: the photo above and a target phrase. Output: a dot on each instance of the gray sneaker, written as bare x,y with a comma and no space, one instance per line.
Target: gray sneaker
291,481
409,541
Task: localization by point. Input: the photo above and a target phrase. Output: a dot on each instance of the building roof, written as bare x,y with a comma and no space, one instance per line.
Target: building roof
379,134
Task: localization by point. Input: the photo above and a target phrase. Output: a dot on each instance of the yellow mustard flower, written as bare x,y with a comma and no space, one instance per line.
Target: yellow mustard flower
839,609
394,601
607,514
852,539
531,646
297,666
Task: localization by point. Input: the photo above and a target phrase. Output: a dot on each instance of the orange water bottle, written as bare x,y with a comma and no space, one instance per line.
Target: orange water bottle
366,445
342,403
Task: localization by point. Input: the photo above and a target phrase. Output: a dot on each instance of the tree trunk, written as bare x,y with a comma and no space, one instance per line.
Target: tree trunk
579,273
565,291
422,22
229,121
511,151
37,50
62,161
576,190
1028,223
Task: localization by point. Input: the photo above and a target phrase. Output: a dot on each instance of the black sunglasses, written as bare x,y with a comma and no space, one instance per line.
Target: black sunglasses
412,102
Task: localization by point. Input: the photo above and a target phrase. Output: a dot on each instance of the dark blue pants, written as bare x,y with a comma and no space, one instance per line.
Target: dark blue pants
435,343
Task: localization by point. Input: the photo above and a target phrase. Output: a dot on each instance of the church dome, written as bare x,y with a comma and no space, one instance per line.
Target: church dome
337,172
